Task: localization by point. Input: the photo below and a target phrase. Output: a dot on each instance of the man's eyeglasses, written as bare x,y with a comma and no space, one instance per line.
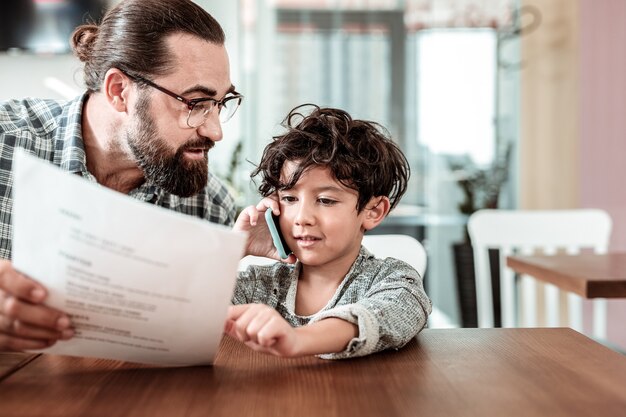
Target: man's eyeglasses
199,108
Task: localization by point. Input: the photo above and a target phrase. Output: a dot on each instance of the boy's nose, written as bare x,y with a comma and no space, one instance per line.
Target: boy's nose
304,216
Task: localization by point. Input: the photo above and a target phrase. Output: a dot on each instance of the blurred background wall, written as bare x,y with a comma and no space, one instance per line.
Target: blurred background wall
573,126
504,103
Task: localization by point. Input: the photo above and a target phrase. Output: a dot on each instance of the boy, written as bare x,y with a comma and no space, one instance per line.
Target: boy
331,179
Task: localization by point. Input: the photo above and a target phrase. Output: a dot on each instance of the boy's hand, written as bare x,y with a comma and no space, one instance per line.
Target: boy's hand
25,323
252,220
262,329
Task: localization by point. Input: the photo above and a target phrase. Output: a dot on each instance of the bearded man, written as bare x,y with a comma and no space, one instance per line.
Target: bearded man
158,89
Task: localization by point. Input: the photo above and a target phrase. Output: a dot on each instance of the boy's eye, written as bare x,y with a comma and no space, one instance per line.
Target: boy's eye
326,201
287,198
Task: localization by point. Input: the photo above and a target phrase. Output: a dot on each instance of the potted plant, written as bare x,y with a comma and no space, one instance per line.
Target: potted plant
481,190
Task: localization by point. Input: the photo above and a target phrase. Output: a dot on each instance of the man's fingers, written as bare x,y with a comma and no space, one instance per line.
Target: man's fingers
36,315
17,344
20,329
19,285
24,322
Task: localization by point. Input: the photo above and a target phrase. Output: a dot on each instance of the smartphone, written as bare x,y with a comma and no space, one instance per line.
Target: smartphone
277,237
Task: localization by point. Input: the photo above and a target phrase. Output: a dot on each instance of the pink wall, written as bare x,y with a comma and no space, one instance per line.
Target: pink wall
603,125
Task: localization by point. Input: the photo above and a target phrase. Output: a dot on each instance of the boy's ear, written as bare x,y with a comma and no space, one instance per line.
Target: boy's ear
375,212
116,88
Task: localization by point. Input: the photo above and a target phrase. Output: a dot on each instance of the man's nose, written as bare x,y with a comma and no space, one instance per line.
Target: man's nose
212,127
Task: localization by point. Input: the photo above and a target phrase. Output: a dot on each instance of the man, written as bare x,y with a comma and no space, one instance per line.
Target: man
158,89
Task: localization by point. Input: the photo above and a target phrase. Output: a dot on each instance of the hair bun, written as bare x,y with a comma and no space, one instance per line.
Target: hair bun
82,41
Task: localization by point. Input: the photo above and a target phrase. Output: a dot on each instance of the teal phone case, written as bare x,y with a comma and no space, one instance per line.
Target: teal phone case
277,238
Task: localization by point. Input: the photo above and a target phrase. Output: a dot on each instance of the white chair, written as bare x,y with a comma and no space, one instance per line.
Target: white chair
403,247
525,232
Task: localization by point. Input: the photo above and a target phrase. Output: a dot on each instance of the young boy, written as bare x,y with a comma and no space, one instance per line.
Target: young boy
331,179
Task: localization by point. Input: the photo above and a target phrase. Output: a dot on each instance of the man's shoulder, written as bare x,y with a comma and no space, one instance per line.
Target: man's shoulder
217,188
33,114
220,195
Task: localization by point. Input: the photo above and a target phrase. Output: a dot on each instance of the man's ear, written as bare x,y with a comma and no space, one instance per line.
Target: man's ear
375,212
116,88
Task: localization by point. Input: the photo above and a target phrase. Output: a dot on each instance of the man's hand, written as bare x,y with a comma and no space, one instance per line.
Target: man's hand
25,323
262,329
252,220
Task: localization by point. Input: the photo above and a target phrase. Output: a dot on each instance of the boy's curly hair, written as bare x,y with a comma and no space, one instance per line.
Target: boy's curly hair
360,154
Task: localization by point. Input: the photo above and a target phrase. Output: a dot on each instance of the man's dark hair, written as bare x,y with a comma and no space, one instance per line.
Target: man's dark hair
131,37
360,154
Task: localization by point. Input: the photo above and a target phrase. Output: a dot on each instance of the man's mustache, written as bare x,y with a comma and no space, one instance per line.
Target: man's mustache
200,143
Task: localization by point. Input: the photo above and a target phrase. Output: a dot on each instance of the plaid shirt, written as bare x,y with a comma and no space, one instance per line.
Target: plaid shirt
52,131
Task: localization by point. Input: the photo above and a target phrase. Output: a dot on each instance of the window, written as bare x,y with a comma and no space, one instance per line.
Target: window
456,92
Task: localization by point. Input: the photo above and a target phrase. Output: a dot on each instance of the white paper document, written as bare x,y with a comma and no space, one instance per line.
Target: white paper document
141,283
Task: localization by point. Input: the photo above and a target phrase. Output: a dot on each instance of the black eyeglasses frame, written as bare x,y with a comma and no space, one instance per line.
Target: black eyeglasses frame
191,104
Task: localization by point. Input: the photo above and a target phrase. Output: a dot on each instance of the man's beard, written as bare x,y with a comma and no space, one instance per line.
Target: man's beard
170,171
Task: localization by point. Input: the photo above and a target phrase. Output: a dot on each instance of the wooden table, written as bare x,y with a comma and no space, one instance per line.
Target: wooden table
446,372
588,275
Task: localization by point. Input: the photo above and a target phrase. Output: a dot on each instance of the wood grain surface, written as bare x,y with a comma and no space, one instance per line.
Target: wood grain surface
588,275
447,372
11,362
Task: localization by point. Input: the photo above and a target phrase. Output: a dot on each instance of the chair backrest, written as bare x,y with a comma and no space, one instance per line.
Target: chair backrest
525,232
403,247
